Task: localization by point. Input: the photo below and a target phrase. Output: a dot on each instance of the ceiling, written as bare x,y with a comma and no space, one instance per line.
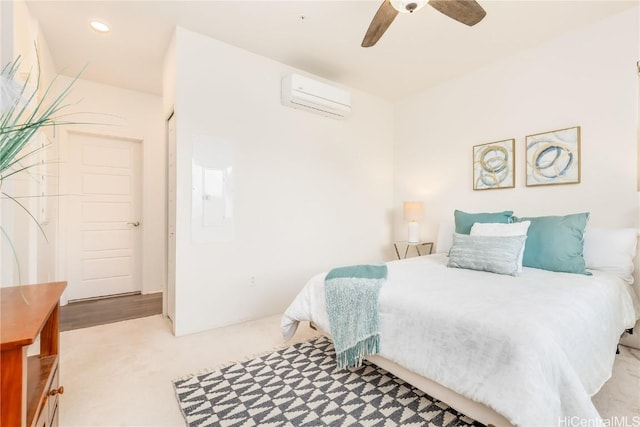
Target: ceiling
321,37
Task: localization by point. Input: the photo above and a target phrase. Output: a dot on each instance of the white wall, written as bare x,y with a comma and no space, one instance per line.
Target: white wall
129,114
34,251
311,192
169,78
586,78
6,32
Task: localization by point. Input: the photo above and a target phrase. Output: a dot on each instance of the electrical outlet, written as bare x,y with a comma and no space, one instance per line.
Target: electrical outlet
252,283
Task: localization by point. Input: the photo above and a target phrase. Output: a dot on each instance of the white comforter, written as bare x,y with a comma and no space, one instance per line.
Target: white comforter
534,348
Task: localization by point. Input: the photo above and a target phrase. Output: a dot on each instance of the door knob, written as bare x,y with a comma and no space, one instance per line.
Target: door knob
135,224
59,390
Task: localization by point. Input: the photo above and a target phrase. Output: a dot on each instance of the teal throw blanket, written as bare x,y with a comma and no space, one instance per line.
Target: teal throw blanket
352,305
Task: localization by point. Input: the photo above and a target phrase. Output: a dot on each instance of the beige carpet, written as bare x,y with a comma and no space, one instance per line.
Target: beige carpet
120,374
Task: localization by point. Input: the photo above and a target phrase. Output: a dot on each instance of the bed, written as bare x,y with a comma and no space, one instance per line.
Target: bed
518,350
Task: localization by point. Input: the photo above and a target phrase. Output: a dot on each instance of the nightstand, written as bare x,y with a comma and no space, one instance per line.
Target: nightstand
412,244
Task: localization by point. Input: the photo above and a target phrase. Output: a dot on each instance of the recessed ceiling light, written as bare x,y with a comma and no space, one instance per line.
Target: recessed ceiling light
100,27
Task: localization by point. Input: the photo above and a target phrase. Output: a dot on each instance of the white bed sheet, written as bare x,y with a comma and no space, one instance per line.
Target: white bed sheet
534,348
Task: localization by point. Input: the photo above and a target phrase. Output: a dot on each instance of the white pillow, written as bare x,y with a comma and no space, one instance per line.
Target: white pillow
494,229
611,250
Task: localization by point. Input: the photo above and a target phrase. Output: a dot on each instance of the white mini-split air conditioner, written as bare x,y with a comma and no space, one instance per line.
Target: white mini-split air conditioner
314,96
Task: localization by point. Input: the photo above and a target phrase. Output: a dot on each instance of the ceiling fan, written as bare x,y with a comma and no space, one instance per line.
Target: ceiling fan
468,12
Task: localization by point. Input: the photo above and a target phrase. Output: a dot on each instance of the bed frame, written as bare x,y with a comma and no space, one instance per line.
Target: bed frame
468,407
472,409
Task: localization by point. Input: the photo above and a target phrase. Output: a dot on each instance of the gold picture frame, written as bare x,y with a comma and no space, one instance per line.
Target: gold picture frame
553,158
493,165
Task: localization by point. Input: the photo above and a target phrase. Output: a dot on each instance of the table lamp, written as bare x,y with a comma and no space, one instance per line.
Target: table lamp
413,212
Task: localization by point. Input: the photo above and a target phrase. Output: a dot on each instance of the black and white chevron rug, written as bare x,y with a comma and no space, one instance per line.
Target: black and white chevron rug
300,386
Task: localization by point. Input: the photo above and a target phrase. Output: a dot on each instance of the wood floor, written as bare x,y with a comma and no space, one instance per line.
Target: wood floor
84,314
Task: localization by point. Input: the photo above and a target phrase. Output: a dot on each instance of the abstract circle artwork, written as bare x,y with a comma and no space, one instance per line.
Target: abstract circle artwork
553,157
493,165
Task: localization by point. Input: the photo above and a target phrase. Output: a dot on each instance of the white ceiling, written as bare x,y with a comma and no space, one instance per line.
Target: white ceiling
418,50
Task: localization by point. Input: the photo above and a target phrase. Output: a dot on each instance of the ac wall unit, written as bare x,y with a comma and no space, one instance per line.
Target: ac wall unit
317,97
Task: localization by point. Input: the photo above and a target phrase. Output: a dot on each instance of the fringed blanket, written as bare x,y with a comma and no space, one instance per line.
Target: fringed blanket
352,306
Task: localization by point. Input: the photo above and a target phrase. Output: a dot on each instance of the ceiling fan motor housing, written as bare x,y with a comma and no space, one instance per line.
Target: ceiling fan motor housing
407,6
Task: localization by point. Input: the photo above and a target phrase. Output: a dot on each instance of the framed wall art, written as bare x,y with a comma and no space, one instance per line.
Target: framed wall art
493,165
553,157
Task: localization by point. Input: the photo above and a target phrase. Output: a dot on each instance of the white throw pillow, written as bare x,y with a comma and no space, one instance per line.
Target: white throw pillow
495,254
611,250
493,229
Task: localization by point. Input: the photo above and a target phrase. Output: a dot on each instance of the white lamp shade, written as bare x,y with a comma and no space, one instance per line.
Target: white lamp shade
413,211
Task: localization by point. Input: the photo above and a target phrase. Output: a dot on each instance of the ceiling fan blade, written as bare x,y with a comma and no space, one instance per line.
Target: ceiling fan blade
379,24
468,12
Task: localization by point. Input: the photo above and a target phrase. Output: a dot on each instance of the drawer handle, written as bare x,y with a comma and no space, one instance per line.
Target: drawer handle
59,390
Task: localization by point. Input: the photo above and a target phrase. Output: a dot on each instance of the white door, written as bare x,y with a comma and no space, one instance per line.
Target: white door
101,216
171,217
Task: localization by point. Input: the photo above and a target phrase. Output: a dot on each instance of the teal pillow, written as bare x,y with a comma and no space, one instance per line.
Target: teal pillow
556,243
496,254
464,221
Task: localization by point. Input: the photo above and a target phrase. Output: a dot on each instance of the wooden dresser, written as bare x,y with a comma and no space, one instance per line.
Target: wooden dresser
30,387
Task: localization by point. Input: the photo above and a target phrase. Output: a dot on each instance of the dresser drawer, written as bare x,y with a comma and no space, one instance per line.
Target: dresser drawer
53,396
47,416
